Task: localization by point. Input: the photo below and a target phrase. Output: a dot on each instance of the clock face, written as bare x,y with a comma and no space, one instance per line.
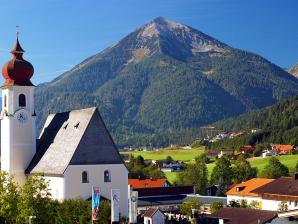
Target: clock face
22,117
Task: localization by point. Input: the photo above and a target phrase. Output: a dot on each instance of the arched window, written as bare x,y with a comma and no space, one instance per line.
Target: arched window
85,177
5,101
22,100
107,176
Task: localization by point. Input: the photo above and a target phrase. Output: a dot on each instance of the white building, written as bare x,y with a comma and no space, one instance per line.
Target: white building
282,191
74,150
154,216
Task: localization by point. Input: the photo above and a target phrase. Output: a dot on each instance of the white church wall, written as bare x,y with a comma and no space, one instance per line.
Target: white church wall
18,139
119,180
56,187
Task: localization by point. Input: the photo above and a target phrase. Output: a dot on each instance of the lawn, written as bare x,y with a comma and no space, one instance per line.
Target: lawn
288,160
176,154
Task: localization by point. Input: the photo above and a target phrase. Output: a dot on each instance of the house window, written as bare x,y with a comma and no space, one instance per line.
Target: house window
107,176
22,100
85,177
5,100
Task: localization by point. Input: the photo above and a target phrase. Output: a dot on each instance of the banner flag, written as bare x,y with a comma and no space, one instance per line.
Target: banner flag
115,199
95,202
133,206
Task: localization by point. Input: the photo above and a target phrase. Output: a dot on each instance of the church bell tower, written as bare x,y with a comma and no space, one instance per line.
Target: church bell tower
18,132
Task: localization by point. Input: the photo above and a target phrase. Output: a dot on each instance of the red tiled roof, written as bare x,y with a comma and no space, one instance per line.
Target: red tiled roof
247,148
146,183
150,212
247,187
284,148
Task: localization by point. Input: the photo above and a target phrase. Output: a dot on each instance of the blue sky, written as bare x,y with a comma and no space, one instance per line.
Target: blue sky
58,34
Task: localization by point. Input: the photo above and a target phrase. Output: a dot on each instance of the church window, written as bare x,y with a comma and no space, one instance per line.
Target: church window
5,100
65,126
107,176
22,100
85,177
77,125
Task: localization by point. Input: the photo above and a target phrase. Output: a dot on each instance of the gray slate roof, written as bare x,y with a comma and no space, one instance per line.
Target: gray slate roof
78,137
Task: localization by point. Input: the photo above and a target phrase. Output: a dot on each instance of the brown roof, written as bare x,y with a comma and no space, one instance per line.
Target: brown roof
150,212
244,215
287,186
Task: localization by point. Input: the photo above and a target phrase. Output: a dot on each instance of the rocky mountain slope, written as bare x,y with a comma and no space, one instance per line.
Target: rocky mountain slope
162,81
294,70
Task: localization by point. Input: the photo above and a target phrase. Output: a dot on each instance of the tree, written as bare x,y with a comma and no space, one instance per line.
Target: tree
254,204
282,206
74,211
274,169
138,169
9,198
35,200
189,204
222,172
215,206
243,171
140,160
196,174
260,148
169,159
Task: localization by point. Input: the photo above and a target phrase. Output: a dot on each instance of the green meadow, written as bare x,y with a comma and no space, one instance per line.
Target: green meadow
176,153
187,155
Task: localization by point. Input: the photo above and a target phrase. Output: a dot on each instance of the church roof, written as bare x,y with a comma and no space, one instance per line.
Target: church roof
78,137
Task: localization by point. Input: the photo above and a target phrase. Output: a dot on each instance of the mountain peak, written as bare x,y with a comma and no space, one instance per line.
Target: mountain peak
162,25
294,70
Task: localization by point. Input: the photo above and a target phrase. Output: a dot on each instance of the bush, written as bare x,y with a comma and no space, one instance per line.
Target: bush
215,206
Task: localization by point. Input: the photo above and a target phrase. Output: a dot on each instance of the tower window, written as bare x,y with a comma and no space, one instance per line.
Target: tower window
107,176
5,100
85,177
22,100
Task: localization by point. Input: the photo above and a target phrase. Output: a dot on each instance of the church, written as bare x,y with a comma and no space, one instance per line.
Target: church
74,150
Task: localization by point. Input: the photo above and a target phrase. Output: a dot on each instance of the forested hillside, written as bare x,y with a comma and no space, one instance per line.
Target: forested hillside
164,80
279,123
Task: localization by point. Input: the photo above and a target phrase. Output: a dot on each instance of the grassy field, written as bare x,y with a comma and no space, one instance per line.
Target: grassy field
188,155
176,154
288,160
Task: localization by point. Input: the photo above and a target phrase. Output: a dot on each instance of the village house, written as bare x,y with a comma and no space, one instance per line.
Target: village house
154,216
225,152
247,149
243,191
282,149
174,166
283,190
148,183
232,215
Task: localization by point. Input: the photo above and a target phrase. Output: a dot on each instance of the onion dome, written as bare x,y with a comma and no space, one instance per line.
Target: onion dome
17,71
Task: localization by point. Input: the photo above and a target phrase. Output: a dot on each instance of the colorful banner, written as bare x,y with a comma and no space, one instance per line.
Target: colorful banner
95,202
115,200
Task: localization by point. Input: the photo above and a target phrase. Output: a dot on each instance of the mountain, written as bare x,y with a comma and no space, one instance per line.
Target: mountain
279,122
161,82
294,70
